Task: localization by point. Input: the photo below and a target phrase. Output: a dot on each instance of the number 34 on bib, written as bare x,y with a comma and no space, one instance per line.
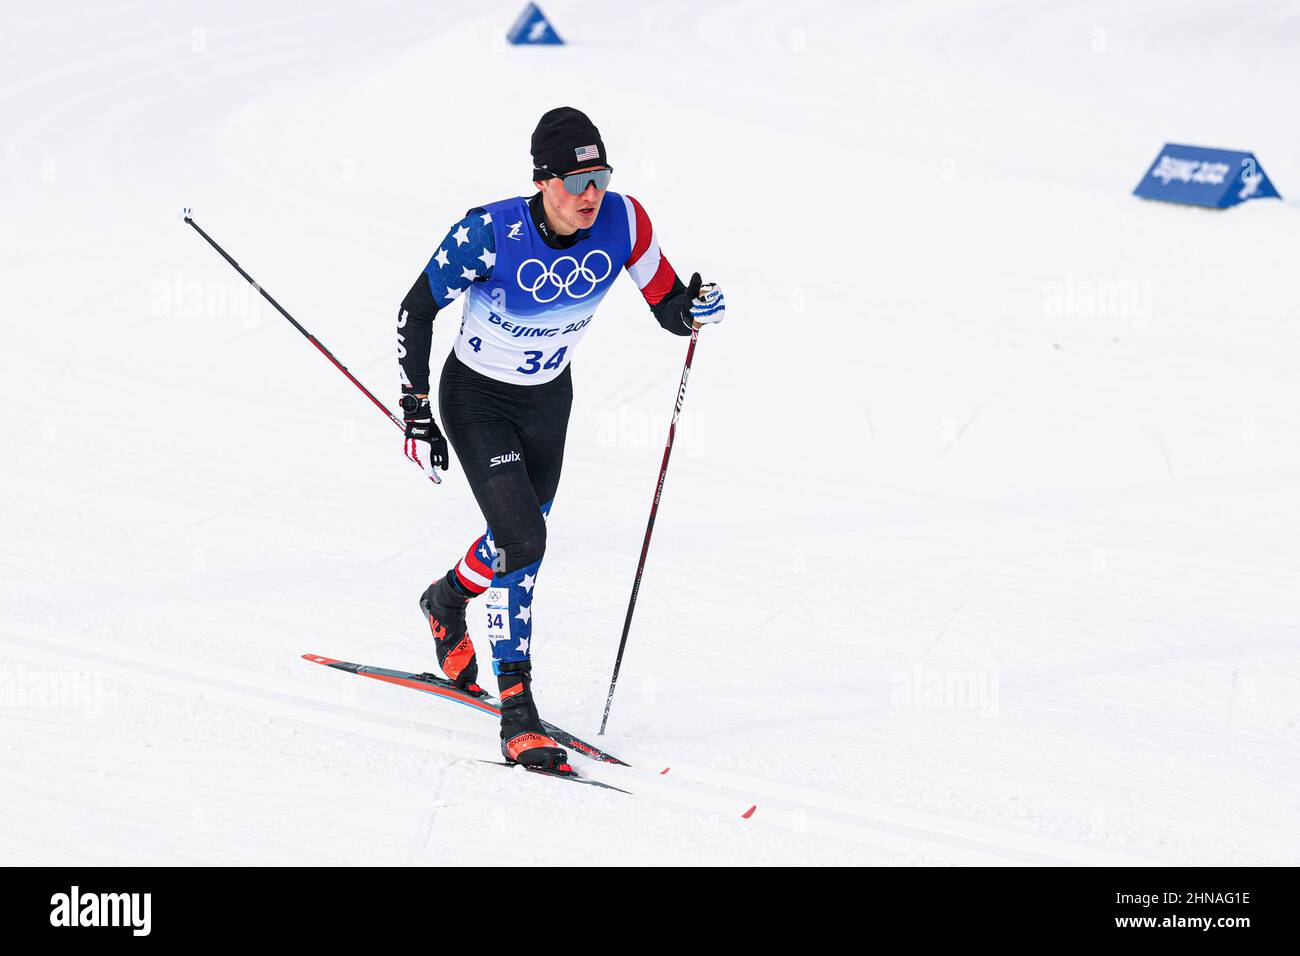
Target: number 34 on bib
533,361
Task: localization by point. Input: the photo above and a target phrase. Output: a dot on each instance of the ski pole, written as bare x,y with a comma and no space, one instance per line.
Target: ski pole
279,308
650,525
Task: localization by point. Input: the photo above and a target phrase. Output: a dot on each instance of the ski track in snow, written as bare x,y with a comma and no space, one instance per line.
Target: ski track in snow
896,465
801,809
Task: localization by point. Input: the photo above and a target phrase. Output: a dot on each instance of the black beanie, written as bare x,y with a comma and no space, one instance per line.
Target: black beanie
566,140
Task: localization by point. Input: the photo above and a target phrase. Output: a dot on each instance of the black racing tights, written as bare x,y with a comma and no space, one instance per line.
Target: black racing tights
509,439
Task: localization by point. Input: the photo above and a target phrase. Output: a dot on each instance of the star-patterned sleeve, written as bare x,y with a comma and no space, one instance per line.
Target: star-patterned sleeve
469,252
466,255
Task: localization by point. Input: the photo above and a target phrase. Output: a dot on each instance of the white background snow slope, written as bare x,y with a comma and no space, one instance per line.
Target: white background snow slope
981,536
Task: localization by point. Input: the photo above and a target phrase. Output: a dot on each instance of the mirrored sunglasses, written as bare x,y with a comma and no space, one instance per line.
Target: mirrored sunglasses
576,183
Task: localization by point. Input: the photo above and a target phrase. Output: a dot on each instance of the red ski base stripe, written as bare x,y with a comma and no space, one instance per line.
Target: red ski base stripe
749,813
438,687
434,689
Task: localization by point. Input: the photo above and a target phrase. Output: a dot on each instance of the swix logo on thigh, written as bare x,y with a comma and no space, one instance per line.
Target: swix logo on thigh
75,909
504,459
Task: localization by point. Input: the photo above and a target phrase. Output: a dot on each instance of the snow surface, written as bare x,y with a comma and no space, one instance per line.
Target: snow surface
954,564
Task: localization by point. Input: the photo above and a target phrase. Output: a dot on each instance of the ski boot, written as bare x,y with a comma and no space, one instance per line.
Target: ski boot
444,608
523,739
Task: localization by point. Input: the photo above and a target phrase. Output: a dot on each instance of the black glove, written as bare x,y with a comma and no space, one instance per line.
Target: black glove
424,443
692,290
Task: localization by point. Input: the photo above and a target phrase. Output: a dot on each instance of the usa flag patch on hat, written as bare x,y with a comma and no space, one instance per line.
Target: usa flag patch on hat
586,152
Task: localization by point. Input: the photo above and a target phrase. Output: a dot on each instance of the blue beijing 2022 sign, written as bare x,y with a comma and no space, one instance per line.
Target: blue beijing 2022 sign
1218,178
531,28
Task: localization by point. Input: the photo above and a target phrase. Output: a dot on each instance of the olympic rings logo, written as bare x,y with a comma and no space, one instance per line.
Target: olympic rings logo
550,278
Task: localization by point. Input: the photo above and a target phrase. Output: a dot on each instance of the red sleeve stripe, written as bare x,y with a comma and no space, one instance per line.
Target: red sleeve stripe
643,232
644,269
661,284
651,272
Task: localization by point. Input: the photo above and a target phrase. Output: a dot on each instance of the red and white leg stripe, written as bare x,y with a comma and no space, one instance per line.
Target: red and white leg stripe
474,574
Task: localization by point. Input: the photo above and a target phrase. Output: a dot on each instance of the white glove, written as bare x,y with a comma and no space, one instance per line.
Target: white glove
707,305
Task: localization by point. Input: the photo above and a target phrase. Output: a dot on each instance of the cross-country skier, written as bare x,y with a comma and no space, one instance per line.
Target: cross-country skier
535,270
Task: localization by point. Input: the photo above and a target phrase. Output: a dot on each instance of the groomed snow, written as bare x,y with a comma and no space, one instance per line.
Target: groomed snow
981,536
